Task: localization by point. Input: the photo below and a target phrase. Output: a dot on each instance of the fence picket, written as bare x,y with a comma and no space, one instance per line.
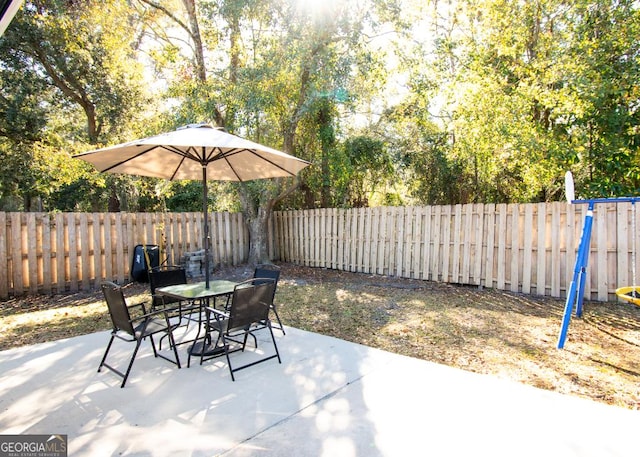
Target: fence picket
527,252
84,252
16,250
601,254
32,251
456,244
502,246
514,248
417,251
490,250
44,256
449,223
436,269
476,253
467,239
4,257
398,230
555,252
426,243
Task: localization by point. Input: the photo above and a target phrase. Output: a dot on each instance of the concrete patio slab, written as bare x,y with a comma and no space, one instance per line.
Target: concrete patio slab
328,398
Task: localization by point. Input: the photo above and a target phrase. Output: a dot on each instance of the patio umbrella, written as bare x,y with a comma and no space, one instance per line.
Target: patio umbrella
198,152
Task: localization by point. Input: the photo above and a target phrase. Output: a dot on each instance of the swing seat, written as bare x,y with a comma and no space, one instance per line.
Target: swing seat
630,294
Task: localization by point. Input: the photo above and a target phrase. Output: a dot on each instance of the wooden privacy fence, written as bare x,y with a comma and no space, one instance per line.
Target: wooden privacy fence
53,253
528,248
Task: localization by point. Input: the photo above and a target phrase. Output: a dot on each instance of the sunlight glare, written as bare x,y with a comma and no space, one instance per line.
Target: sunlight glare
319,11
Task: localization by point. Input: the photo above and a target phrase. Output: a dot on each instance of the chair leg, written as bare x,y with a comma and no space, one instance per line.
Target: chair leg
275,311
115,370
104,357
275,345
172,342
226,353
274,341
133,358
172,345
255,339
174,326
247,332
153,345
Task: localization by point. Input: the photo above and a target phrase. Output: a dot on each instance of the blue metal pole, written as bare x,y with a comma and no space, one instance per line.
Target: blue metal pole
584,261
576,289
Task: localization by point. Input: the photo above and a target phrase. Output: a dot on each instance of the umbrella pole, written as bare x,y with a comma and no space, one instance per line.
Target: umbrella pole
205,236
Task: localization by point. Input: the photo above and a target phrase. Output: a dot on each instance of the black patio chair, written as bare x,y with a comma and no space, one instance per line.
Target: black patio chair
271,272
170,275
134,329
166,275
248,312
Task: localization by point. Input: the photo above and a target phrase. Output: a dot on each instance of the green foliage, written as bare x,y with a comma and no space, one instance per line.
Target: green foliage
609,124
392,102
370,169
81,52
525,90
186,196
69,81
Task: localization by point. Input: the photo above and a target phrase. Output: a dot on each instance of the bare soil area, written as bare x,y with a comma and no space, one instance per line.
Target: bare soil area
508,335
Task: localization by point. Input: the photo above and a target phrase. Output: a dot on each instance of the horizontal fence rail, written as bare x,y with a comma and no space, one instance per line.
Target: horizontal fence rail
54,253
528,248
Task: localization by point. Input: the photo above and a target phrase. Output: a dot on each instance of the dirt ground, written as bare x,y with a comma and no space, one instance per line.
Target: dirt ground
508,335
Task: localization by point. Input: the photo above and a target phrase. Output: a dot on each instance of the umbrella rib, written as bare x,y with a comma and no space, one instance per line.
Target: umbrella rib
173,175
143,152
233,152
216,153
206,158
254,152
185,153
177,151
225,155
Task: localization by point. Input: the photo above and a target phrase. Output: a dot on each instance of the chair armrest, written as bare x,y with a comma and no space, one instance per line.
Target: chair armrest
138,305
155,313
217,312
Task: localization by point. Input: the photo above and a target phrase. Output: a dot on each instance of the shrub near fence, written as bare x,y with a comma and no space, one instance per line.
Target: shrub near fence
54,253
528,248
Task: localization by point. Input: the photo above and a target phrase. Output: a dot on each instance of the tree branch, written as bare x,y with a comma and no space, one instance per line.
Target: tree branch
169,14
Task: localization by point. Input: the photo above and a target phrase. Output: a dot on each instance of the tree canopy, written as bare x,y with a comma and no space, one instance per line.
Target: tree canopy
393,101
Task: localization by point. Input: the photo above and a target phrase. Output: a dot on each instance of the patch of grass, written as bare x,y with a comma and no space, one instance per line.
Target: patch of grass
39,319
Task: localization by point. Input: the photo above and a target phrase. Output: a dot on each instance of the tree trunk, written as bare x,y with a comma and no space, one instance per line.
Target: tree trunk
256,215
258,239
194,31
257,208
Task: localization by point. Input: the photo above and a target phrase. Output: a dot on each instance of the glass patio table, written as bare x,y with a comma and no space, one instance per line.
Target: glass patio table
198,293
198,290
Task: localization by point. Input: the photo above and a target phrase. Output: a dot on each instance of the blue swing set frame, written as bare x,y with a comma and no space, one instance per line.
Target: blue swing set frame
575,296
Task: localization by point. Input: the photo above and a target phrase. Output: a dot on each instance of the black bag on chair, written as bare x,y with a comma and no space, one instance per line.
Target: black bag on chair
145,257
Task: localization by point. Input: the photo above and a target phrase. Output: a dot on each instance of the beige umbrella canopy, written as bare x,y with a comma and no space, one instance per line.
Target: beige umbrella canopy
199,152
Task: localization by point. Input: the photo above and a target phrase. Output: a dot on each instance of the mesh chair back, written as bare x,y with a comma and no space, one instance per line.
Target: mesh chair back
269,273
250,303
166,276
118,310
